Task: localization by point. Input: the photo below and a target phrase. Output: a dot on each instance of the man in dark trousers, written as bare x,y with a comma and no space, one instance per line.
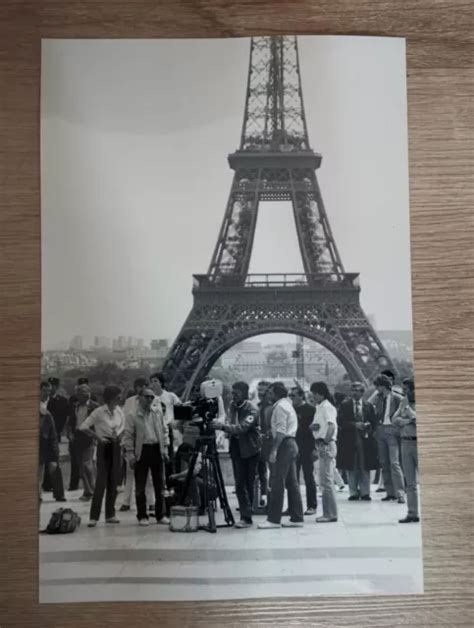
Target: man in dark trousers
58,407
356,444
306,446
283,455
262,467
244,432
146,441
49,447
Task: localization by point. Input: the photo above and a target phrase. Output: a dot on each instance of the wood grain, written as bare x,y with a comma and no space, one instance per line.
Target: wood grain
441,96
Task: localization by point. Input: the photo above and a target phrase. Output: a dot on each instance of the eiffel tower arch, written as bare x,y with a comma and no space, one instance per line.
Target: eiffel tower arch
274,162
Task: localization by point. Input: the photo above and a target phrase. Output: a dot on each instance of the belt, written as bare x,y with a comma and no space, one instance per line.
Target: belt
408,437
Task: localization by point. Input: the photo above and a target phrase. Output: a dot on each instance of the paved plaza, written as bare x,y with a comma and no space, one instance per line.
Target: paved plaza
366,552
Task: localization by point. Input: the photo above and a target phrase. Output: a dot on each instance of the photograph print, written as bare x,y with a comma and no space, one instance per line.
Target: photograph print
227,347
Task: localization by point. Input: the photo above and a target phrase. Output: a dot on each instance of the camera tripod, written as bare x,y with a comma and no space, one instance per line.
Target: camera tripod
214,488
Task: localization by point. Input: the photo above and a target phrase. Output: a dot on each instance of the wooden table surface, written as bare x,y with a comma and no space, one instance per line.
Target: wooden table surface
440,87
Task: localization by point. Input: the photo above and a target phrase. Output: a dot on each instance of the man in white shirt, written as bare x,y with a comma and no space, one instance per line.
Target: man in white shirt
146,446
283,456
388,439
324,428
105,426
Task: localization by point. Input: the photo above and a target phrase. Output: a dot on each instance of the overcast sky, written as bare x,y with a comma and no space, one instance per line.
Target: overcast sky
135,136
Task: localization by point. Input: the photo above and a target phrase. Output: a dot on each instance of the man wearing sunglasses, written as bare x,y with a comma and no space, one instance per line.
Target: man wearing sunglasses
146,443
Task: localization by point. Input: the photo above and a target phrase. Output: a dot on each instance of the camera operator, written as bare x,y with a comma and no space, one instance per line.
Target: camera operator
244,432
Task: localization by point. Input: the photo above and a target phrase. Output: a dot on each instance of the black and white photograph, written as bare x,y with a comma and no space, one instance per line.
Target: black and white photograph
227,393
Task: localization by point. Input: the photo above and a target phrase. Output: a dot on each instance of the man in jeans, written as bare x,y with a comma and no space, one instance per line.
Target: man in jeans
388,439
244,432
146,443
284,454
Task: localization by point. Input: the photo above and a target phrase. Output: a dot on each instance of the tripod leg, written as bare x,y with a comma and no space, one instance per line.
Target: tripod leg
211,527
221,492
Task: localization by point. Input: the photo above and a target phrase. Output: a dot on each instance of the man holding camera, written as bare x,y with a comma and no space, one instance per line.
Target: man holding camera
244,432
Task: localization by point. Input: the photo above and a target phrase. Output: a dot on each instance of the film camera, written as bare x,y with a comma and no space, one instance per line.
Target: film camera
204,408
201,412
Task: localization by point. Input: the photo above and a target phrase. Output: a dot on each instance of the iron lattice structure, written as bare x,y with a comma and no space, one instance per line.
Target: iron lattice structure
274,162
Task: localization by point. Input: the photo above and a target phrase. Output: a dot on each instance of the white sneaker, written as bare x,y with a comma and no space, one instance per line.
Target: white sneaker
292,524
143,522
243,524
163,521
92,523
268,525
112,520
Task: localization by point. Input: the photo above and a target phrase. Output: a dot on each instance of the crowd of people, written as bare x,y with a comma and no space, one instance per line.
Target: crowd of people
136,442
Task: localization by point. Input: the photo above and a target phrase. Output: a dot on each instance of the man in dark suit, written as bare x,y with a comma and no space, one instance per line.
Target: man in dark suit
388,439
356,444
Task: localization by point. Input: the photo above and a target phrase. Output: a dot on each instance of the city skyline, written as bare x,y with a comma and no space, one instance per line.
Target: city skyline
268,339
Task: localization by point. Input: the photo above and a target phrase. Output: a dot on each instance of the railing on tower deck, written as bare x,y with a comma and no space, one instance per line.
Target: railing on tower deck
278,280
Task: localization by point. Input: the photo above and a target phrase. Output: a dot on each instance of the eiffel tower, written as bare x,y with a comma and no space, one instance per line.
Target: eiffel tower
274,163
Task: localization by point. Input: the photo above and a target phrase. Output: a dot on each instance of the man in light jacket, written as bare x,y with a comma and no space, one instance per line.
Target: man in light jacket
146,443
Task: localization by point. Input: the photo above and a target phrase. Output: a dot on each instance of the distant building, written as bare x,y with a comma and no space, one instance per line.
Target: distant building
76,343
245,353
160,347
101,342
